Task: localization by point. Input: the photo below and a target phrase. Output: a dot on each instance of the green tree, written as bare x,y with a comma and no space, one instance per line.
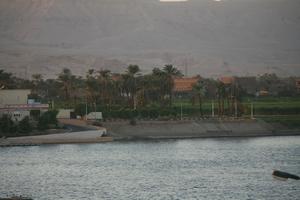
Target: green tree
91,86
66,78
46,119
106,87
170,72
130,84
6,80
37,84
7,126
156,86
221,96
24,126
199,90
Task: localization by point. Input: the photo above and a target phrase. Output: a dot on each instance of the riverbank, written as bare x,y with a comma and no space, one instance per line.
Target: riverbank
122,130
63,138
77,132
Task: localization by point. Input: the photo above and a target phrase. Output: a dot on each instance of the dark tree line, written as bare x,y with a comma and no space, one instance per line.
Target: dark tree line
133,90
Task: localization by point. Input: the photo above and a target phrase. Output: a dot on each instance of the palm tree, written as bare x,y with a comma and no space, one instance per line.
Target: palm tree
170,72
130,82
199,90
65,78
133,70
5,79
36,79
156,87
221,95
105,83
91,86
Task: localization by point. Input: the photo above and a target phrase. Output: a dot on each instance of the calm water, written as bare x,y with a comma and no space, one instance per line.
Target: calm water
167,169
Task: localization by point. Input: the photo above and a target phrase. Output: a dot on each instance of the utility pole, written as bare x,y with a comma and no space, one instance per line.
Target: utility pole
180,108
86,110
52,104
212,108
252,117
235,108
181,111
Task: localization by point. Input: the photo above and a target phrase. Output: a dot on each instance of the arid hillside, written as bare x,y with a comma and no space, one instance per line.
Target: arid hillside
203,36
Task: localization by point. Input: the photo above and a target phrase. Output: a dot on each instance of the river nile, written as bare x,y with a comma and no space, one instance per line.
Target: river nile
233,168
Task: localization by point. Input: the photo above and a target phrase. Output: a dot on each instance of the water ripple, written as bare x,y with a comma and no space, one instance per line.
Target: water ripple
167,169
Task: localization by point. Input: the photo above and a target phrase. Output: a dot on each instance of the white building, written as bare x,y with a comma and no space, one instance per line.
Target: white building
94,116
14,96
15,103
64,113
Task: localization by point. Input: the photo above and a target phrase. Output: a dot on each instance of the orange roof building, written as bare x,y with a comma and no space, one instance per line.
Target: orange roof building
298,84
185,84
227,80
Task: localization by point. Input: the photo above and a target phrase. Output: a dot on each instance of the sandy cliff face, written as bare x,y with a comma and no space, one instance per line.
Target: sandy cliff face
211,38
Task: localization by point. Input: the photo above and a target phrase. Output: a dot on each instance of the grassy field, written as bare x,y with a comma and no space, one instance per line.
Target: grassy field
258,102
270,109
290,121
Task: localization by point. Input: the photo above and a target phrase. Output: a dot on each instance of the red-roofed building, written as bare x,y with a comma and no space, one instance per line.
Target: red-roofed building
185,84
227,80
116,77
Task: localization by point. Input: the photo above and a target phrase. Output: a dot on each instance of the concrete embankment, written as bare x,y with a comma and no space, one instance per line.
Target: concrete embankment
91,134
64,138
192,129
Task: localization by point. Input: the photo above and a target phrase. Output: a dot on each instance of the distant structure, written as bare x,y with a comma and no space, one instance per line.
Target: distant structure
227,80
298,85
16,104
94,116
185,84
263,93
65,114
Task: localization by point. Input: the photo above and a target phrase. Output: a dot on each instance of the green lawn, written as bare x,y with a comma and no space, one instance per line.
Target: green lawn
258,103
291,121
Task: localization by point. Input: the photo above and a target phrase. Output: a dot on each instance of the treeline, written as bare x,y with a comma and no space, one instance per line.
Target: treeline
132,94
100,87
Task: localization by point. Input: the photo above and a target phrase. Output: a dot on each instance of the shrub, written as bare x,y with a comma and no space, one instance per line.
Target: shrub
35,114
24,126
7,126
47,118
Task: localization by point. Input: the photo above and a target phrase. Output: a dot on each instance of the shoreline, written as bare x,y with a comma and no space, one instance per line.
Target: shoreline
155,130
283,134
147,130
91,136
14,142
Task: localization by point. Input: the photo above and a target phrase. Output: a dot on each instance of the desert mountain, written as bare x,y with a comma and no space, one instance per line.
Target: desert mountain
207,37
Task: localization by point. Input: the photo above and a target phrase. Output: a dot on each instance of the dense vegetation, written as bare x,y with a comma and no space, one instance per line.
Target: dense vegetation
135,95
9,128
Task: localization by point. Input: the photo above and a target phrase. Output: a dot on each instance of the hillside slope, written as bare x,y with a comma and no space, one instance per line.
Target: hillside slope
210,38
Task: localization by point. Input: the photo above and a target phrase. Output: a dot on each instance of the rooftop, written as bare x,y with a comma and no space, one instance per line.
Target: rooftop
185,84
227,80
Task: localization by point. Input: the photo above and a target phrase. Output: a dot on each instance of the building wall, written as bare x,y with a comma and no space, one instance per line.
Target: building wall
16,115
185,84
64,113
14,96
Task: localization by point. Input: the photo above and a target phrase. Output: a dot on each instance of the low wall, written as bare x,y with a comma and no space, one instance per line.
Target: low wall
94,136
191,129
